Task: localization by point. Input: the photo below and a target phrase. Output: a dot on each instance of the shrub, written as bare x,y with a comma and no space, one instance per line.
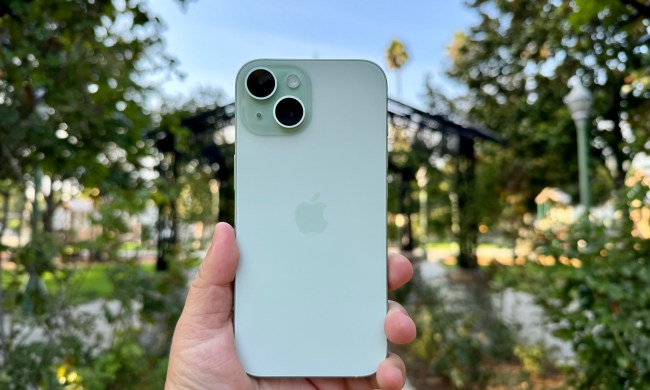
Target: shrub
459,336
60,346
592,280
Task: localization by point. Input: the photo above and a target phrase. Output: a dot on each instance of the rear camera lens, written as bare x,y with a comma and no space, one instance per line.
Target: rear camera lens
260,83
289,112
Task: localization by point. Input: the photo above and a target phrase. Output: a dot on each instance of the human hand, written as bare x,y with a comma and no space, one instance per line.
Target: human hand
203,354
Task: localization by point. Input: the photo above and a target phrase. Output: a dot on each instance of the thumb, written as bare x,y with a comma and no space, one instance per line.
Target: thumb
210,297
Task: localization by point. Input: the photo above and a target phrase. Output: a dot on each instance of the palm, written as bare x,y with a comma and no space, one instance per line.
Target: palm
203,351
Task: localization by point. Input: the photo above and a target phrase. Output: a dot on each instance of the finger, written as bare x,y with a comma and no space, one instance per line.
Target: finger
391,374
364,383
399,327
210,295
400,271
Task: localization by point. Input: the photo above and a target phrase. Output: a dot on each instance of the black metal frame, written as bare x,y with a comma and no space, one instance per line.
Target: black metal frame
440,135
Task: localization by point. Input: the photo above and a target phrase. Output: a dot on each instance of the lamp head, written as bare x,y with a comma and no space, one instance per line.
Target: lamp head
579,102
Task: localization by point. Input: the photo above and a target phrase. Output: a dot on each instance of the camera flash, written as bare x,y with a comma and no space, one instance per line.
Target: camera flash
293,81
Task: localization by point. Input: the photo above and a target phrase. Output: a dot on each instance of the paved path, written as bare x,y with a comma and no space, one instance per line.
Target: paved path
514,307
93,310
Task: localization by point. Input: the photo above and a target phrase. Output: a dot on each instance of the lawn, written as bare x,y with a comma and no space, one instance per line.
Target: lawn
83,283
453,246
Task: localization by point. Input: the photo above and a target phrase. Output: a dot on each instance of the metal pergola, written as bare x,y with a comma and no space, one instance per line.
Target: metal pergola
440,135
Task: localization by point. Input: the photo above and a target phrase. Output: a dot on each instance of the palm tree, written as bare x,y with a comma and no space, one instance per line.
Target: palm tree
396,56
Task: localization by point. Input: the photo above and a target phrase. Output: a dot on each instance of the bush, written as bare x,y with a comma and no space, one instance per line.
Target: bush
459,337
592,279
60,346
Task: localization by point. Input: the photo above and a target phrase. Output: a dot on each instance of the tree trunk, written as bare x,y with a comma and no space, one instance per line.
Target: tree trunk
167,223
5,216
614,115
408,242
226,202
48,213
3,338
36,211
467,236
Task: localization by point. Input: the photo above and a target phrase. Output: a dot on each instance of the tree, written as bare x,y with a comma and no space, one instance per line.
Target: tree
407,154
397,56
195,167
72,89
74,78
517,62
590,277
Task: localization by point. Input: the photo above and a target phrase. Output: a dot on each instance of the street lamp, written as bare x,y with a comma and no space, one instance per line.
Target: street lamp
579,103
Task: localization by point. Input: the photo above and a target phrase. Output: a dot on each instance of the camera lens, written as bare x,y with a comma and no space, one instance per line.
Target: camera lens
289,112
260,83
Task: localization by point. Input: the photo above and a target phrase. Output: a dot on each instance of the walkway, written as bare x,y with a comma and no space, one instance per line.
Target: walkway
514,307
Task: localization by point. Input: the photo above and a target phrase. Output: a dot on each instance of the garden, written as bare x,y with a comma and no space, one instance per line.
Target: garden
531,247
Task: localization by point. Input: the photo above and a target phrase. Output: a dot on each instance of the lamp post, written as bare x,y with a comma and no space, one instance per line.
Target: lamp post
579,103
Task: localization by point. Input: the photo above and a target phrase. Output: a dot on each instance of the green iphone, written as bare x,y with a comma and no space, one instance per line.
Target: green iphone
310,216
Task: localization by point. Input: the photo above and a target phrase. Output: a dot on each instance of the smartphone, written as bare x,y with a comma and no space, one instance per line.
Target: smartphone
310,217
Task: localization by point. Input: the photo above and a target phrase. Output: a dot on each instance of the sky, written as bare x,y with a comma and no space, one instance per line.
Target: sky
212,39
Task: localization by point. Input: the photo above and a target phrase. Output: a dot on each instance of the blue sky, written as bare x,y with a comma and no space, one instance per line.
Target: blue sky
213,38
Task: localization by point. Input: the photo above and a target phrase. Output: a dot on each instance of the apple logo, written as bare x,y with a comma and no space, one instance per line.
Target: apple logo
309,216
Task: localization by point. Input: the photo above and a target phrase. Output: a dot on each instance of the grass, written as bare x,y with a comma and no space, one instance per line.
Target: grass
442,245
86,283
454,245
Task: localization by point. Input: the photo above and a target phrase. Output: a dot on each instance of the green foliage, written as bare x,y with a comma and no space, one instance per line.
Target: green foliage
68,350
533,358
126,364
193,177
590,10
457,339
516,62
592,280
137,358
409,167
74,78
71,90
40,344
628,20
113,218
37,255
396,54
81,284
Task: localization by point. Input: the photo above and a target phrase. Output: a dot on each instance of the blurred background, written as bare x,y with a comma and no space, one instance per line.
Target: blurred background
518,178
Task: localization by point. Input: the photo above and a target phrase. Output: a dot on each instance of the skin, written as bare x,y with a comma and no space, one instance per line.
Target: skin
203,354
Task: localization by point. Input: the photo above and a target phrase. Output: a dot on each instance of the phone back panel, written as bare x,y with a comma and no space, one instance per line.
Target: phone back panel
310,290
